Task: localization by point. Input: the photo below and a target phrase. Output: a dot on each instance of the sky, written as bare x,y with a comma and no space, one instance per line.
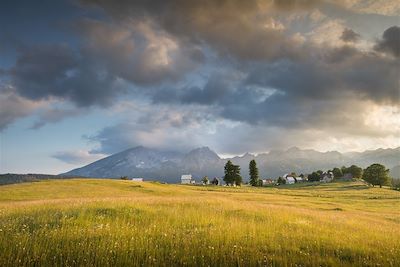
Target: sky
80,80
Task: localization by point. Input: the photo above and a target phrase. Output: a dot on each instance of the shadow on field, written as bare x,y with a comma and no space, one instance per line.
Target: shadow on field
350,187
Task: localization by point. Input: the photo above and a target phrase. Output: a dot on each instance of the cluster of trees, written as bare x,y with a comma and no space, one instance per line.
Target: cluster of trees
233,177
232,174
354,170
205,180
315,176
376,174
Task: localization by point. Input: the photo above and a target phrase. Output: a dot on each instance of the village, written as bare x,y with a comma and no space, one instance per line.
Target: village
336,174
375,174
288,178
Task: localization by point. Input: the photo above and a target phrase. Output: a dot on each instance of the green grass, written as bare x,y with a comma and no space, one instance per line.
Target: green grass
121,223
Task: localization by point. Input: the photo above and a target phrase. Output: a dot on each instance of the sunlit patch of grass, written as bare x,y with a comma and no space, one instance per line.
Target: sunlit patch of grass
122,223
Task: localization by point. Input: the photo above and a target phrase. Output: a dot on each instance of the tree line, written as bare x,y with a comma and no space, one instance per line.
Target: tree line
375,174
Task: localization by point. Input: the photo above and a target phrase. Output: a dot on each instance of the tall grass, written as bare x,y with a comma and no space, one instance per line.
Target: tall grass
121,223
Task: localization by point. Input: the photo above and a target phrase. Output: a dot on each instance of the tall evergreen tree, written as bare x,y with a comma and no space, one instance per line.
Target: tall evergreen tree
236,173
253,172
229,177
232,174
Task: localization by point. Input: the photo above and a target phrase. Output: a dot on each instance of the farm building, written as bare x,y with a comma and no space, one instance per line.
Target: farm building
187,179
267,181
137,179
327,177
289,179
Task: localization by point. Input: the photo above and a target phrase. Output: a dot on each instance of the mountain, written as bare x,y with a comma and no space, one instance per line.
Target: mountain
168,166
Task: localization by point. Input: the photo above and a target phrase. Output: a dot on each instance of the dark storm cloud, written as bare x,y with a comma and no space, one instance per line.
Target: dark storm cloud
46,71
390,42
282,80
349,35
137,52
303,94
233,28
92,73
291,4
216,88
353,71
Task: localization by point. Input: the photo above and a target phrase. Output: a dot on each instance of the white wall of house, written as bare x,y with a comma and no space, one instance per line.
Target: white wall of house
187,179
290,180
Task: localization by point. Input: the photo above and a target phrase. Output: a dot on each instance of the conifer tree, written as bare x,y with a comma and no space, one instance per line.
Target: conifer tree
253,172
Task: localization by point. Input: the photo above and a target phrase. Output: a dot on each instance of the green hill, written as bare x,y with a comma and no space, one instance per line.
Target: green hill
89,222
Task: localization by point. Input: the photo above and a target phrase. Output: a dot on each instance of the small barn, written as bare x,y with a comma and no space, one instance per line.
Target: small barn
187,179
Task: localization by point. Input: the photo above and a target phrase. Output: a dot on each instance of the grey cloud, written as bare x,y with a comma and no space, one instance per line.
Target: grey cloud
349,35
340,54
94,73
292,4
354,71
13,107
213,91
137,51
160,126
55,115
122,136
46,71
77,157
390,42
306,94
233,28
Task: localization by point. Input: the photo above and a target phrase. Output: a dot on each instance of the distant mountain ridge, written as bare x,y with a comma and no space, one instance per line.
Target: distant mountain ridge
168,166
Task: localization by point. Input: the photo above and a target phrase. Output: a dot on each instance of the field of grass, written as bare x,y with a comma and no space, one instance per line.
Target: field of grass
93,222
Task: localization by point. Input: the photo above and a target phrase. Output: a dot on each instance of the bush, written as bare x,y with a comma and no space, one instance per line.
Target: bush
396,183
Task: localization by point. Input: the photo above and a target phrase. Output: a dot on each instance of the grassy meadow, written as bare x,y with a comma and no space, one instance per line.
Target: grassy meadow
93,222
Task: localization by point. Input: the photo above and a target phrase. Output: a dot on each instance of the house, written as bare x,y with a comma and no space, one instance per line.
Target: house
327,177
137,179
267,181
299,179
289,179
187,179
